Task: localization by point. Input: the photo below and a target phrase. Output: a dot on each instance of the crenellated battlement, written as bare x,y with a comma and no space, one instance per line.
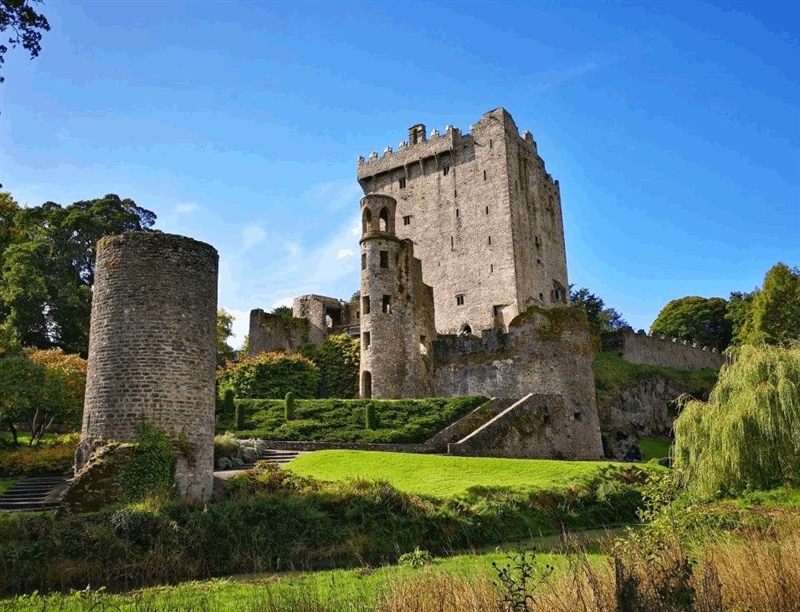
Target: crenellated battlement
659,350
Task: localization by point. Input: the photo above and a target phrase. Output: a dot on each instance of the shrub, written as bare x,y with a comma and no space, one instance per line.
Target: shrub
239,417
369,416
227,402
271,376
338,362
152,470
225,445
289,408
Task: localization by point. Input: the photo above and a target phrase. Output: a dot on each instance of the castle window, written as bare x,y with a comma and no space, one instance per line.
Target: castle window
452,246
384,259
387,304
423,346
487,210
446,170
490,143
578,416
363,261
497,309
541,297
365,304
546,418
402,182
407,220
491,268
456,213
484,175
366,221
466,330
384,220
460,299
365,337
490,240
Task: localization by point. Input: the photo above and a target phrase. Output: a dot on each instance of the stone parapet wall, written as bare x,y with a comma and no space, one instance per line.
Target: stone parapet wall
538,426
659,351
469,423
152,350
270,332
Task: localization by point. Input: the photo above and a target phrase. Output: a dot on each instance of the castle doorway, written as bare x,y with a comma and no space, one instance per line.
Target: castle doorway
366,385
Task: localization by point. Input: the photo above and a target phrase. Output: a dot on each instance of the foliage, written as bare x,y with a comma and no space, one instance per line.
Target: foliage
47,269
601,319
37,460
739,304
26,25
332,420
774,316
285,313
695,319
239,415
271,376
653,448
338,361
289,407
152,470
39,388
225,351
225,445
520,578
228,406
416,558
370,418
748,434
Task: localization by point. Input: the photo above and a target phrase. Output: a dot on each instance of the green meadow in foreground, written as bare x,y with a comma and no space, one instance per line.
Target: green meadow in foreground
444,476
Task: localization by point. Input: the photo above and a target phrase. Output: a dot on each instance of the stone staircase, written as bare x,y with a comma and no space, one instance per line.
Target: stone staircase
32,494
281,457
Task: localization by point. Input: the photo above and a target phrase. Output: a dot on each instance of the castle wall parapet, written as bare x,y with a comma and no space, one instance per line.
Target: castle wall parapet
437,144
657,350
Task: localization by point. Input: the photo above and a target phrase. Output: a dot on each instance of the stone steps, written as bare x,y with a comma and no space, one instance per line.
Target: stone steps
281,457
31,494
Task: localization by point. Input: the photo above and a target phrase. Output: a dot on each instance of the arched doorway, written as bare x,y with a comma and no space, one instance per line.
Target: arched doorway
366,385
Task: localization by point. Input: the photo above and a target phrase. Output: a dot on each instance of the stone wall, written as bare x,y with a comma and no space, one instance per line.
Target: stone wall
325,316
270,332
539,426
484,216
658,351
152,349
545,353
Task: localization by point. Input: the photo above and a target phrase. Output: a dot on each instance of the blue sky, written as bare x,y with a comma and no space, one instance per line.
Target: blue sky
673,128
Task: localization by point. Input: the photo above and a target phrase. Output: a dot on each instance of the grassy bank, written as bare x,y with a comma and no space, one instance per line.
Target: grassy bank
335,420
445,476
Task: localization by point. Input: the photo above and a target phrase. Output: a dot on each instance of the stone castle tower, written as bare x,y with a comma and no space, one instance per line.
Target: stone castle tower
152,350
397,320
484,217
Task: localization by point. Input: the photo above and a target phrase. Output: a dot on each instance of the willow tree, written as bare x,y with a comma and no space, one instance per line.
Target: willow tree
748,434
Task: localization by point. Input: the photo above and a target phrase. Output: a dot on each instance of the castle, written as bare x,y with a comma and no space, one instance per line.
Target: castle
463,280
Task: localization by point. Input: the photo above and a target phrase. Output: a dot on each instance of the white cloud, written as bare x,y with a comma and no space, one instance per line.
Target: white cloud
251,236
356,229
343,253
185,208
286,301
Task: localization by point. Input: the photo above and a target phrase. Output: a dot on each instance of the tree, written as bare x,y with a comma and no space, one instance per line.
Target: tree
338,360
739,305
774,316
47,270
746,436
601,318
25,24
695,319
225,351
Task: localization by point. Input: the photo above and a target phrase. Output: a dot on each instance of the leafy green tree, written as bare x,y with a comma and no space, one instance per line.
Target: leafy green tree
739,305
601,318
26,27
695,319
774,316
746,436
271,376
225,352
47,270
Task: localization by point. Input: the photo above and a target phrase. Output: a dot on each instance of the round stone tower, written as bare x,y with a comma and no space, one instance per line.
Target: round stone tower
397,318
152,347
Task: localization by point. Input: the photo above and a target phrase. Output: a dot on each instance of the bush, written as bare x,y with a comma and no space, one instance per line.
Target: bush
152,470
289,412
271,376
239,417
370,419
37,460
225,445
227,401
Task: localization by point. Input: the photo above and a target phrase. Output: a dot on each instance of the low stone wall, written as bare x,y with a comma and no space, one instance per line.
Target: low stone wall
469,423
315,446
538,426
659,351
270,332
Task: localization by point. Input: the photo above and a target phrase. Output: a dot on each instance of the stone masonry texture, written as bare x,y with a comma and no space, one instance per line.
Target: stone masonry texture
152,348
484,217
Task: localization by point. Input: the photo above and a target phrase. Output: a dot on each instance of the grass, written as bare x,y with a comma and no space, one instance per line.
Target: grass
335,420
613,375
444,476
6,484
653,448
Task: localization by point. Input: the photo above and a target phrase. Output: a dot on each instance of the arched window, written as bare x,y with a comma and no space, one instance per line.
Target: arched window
466,330
366,385
384,220
366,221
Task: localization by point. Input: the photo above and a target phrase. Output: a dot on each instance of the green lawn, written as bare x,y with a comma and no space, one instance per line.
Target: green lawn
653,448
442,476
356,589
